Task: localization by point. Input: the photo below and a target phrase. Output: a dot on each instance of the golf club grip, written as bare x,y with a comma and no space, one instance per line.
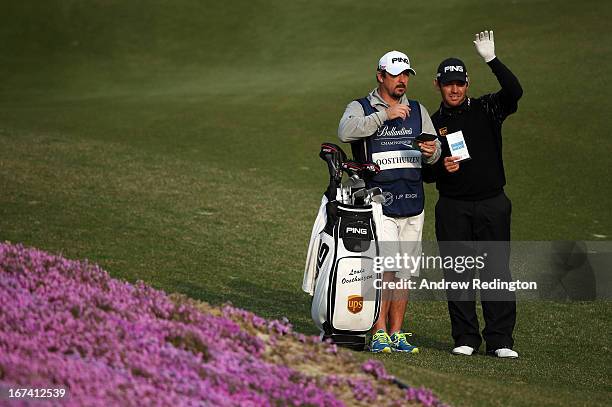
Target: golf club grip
333,184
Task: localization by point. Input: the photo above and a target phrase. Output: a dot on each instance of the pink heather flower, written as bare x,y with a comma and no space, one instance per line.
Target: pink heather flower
376,369
68,324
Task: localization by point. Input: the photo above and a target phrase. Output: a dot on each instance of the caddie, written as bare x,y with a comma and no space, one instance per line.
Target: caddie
382,128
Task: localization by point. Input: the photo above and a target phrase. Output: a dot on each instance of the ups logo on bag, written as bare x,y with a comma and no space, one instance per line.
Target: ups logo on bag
355,303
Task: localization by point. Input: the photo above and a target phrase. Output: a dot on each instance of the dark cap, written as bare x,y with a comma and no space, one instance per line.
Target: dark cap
451,69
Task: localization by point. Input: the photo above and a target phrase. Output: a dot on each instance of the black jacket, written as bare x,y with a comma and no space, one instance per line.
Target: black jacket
480,120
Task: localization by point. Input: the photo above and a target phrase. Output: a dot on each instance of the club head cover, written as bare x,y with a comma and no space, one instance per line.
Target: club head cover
369,169
352,167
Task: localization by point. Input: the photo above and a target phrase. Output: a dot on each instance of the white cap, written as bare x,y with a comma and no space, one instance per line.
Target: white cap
395,63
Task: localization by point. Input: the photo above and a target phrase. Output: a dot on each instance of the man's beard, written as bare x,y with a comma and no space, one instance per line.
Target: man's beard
398,92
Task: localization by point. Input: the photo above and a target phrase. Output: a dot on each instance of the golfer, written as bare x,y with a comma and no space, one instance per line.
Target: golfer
382,128
472,205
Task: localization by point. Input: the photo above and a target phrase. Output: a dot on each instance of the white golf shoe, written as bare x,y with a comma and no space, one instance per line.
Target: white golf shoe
506,353
463,350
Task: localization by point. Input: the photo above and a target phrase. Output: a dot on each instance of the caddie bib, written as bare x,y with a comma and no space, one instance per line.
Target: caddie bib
391,148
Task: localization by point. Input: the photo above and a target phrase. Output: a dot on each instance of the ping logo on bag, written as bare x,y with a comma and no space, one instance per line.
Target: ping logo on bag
355,304
356,230
361,231
356,234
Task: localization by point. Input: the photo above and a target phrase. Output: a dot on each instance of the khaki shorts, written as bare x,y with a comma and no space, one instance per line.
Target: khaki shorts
403,236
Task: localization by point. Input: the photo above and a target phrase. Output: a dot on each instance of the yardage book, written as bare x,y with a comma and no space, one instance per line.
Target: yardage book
457,146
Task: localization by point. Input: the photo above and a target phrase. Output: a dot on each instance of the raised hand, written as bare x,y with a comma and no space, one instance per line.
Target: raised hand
485,45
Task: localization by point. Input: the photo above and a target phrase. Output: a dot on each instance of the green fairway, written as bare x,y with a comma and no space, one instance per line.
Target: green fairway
176,142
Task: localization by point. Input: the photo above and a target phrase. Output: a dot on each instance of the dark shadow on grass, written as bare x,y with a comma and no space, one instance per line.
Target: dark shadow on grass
425,341
270,303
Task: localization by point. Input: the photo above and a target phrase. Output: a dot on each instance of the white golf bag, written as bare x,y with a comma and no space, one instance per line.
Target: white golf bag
339,272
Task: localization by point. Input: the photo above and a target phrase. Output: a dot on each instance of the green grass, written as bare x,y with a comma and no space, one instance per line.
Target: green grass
176,142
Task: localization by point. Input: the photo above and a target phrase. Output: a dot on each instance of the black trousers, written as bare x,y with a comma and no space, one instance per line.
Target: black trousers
473,228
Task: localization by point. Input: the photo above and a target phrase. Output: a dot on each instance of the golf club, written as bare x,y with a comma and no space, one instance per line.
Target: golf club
334,157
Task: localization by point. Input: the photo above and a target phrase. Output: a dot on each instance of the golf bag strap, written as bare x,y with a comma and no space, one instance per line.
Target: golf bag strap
359,148
367,107
310,269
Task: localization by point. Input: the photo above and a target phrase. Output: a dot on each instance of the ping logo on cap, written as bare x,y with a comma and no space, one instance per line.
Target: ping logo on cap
457,68
452,69
404,60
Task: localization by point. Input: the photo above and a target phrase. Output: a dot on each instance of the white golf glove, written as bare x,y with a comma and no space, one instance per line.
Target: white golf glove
485,46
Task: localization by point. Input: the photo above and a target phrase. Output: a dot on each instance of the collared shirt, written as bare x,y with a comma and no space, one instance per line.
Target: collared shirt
480,121
354,125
